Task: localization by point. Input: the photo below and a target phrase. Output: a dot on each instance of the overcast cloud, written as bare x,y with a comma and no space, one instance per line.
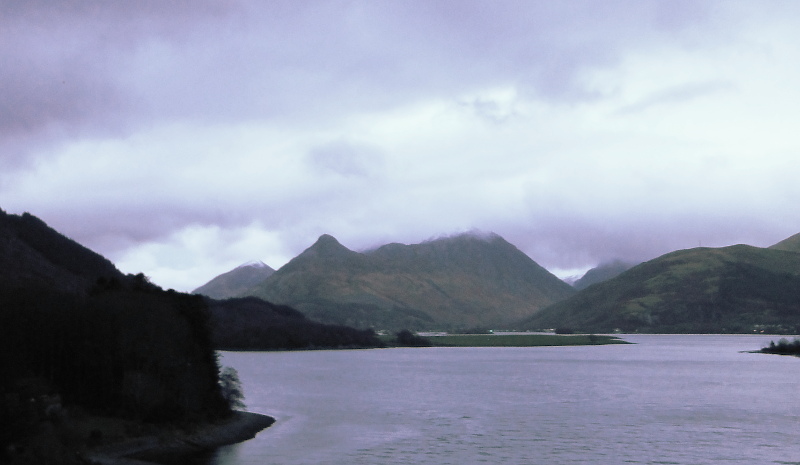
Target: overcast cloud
183,138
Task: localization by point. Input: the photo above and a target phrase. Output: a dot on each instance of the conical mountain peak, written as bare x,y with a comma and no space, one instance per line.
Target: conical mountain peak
325,250
326,240
327,245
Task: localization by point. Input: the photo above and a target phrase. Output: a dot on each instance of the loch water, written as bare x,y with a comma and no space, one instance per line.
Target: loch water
665,399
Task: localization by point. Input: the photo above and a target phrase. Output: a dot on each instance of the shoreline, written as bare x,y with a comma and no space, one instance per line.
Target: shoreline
239,427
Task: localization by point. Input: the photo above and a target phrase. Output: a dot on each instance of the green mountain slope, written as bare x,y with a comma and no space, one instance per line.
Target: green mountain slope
731,289
791,244
236,281
457,282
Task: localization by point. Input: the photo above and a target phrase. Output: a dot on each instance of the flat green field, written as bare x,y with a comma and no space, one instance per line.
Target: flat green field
521,340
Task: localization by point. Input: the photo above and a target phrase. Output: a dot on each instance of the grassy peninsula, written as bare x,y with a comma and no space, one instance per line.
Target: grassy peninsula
502,340
522,340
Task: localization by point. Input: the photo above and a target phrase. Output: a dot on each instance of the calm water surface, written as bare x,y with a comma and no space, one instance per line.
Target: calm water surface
663,400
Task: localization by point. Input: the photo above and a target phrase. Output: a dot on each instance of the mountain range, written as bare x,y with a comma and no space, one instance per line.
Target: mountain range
473,281
455,282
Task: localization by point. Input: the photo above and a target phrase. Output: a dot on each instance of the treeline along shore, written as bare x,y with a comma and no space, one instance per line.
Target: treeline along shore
783,347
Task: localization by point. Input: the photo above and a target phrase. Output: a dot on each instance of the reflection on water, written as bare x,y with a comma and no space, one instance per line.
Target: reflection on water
666,399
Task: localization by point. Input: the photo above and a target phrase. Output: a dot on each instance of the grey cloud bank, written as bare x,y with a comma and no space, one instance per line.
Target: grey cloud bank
182,139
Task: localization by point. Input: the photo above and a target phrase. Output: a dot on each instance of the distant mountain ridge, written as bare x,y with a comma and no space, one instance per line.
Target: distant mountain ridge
600,273
454,282
736,289
236,281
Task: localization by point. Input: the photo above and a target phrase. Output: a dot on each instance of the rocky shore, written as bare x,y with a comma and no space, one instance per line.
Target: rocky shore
240,426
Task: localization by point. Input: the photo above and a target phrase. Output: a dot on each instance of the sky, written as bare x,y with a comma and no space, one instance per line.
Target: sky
181,138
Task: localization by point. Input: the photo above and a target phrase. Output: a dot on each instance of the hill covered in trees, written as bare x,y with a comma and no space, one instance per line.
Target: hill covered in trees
34,255
78,335
250,323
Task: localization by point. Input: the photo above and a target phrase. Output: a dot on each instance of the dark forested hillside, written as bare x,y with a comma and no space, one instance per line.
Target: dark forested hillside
252,324
33,254
128,350
77,333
